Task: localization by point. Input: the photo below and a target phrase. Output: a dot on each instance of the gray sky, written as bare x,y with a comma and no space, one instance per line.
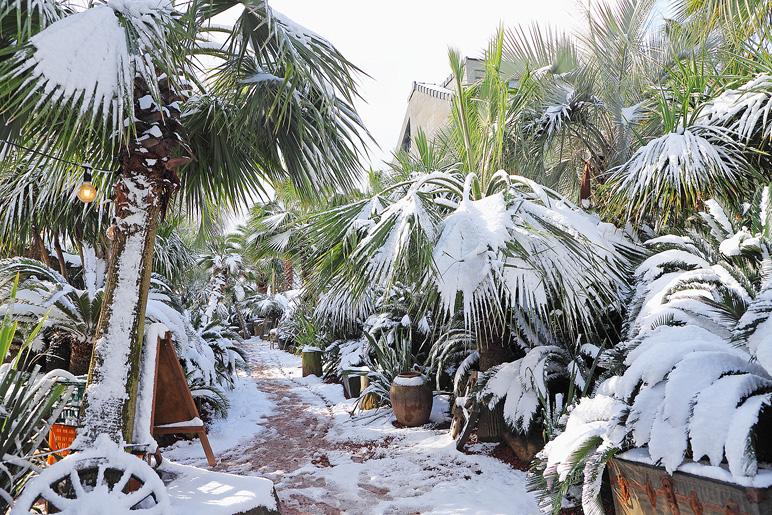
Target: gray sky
399,41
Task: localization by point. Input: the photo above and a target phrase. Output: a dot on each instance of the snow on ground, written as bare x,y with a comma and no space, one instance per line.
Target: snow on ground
323,461
248,415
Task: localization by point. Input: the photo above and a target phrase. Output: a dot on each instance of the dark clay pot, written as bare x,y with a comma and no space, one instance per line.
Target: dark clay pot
412,404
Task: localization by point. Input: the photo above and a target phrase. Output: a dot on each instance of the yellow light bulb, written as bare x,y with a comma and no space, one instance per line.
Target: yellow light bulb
86,192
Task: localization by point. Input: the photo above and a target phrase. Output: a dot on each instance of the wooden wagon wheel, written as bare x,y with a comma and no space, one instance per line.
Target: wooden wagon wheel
94,482
465,414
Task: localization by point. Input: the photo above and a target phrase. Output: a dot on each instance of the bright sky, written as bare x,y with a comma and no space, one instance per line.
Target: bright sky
400,41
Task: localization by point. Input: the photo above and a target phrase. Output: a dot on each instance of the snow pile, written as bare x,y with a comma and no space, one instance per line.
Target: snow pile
193,490
418,380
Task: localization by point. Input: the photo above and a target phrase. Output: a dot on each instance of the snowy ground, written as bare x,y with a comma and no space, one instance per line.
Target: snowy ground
298,433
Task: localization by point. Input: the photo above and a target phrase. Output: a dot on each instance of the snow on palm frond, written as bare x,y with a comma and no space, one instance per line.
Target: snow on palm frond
670,174
405,230
755,326
565,103
558,253
517,244
745,111
467,253
90,59
588,439
42,291
668,284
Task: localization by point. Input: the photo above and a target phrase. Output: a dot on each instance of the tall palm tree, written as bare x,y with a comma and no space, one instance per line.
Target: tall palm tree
224,264
278,106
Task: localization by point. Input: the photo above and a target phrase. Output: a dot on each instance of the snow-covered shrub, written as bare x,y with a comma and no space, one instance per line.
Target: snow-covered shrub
265,306
450,354
72,313
228,357
396,311
208,354
535,389
29,404
695,376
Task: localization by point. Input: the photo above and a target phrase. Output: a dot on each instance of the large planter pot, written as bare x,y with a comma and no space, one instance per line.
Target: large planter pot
411,399
640,488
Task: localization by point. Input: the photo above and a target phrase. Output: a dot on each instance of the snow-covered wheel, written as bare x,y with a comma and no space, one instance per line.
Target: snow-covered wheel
96,482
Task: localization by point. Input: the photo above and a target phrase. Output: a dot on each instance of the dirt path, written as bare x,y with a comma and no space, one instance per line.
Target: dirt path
294,446
295,438
324,463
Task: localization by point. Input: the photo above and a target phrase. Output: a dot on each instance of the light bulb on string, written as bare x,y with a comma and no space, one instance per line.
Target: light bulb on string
86,191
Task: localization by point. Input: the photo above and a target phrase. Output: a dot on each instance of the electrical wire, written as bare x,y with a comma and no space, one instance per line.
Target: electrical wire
86,167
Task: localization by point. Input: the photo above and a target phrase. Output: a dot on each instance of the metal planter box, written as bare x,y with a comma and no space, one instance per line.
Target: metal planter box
639,489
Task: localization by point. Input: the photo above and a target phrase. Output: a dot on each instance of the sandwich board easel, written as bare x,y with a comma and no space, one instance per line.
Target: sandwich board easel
174,411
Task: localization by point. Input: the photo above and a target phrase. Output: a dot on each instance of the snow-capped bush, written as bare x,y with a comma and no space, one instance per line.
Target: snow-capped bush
696,374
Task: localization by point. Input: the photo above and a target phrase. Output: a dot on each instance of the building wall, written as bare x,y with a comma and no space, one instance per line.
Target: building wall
428,108
429,105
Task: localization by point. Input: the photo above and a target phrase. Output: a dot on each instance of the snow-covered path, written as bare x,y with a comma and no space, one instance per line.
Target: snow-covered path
298,433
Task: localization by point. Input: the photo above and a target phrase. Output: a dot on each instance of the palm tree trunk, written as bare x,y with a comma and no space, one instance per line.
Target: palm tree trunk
114,372
493,351
80,356
145,184
241,318
217,285
60,257
289,273
41,247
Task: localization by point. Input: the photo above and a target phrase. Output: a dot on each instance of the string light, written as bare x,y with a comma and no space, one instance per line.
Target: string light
87,192
38,152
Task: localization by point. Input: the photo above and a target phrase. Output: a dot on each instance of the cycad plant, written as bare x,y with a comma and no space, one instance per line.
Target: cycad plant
72,313
694,374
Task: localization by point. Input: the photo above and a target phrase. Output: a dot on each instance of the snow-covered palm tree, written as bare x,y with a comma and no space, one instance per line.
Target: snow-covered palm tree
224,264
278,107
506,251
586,93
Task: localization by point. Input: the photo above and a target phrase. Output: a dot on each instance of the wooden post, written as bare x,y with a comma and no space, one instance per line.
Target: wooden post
312,361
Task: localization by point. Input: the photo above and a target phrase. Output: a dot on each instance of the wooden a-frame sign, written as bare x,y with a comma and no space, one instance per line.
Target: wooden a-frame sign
174,411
